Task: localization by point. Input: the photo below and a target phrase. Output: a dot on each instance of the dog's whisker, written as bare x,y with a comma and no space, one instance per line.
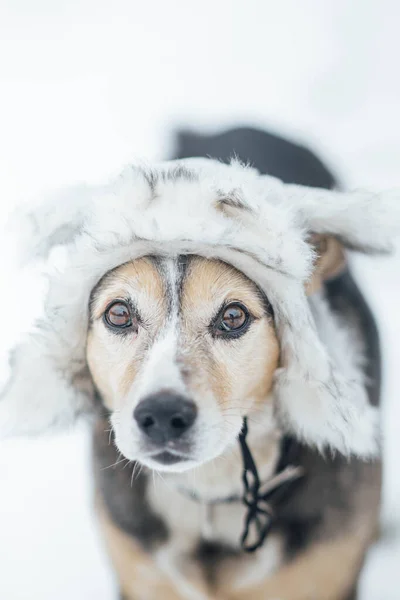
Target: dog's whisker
164,480
135,467
117,462
110,432
245,409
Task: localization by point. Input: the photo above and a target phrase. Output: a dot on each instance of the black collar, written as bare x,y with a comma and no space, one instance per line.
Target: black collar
261,500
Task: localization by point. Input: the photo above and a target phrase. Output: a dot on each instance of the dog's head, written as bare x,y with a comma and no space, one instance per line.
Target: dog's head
180,350
202,335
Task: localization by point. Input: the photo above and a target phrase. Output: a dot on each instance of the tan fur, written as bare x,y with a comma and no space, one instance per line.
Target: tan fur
326,571
330,262
113,363
208,285
139,276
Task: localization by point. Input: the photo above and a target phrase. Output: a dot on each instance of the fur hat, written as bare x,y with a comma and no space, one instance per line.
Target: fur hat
195,206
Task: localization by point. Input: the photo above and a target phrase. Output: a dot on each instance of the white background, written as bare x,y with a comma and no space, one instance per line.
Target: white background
87,86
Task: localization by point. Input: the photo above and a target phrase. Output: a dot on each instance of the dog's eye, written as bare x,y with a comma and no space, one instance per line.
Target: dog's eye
233,319
118,315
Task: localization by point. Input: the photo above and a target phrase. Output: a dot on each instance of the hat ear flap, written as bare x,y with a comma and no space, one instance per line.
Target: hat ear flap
37,396
319,398
363,221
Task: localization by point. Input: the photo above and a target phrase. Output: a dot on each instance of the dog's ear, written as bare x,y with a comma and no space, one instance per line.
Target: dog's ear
363,221
330,261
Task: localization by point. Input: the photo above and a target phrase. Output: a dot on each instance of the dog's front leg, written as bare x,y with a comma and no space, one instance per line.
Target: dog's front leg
138,576
174,560
162,575
325,571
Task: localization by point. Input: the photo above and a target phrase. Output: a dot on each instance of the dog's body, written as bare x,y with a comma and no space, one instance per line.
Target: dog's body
176,535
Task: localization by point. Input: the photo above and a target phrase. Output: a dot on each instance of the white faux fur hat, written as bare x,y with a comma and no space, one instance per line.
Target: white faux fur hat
195,206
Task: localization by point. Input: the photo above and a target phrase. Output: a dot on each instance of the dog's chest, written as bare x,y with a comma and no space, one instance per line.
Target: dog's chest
207,537
207,533
194,519
206,503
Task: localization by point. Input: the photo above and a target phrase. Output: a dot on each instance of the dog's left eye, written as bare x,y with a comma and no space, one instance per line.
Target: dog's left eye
118,315
233,319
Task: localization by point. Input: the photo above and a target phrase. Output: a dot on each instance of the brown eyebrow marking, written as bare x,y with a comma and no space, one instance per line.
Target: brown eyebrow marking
100,286
117,283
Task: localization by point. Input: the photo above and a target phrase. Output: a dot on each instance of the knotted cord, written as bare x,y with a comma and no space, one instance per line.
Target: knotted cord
260,503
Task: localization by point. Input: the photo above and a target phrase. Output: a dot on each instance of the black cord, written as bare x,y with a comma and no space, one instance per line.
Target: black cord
260,510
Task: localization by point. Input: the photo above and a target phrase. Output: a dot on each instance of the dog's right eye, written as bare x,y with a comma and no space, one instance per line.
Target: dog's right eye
233,320
118,315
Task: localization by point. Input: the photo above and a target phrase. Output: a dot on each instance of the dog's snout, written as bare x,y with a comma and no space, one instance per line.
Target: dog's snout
165,416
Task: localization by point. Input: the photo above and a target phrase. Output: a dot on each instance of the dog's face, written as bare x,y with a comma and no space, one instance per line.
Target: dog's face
180,350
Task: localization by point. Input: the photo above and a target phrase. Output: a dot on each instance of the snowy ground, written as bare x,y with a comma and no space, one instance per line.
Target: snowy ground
86,86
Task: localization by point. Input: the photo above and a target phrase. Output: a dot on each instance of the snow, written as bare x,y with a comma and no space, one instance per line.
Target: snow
87,86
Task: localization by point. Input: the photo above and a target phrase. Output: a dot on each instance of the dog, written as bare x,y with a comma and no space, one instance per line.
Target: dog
181,539
206,316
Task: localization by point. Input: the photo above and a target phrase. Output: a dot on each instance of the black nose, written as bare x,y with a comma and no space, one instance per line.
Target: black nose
165,416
